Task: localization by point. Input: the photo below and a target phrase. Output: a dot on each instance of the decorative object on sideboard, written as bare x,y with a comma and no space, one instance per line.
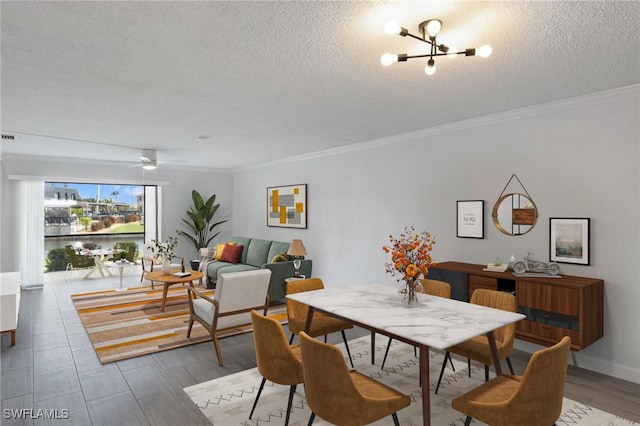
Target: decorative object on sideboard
514,213
496,266
296,250
429,30
533,267
470,223
410,261
569,240
287,206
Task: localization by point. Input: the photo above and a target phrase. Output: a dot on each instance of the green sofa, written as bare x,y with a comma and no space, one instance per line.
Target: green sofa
258,254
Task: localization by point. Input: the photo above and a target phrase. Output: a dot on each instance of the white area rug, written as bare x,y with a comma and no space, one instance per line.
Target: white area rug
227,401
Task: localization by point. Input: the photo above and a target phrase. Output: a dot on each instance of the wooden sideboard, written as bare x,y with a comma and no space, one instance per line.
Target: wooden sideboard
554,307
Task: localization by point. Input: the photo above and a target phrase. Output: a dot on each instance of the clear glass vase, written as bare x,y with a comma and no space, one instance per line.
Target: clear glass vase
411,292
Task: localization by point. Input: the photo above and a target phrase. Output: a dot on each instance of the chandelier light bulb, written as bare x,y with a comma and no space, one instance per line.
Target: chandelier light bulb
430,68
392,27
388,59
433,27
453,52
484,51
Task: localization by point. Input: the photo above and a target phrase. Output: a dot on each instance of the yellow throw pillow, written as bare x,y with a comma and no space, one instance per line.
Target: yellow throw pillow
220,248
282,257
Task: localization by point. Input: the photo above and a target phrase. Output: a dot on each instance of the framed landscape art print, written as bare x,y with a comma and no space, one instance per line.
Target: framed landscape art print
287,206
569,240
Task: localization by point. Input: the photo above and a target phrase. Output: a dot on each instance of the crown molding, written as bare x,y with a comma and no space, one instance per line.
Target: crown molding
108,181
501,117
110,163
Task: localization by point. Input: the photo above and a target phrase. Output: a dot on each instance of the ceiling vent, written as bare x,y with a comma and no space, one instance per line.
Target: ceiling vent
7,137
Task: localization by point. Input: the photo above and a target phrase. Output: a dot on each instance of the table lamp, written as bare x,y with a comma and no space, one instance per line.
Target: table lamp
296,249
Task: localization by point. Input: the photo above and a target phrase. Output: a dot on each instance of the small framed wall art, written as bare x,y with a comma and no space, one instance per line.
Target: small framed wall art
569,240
287,206
470,222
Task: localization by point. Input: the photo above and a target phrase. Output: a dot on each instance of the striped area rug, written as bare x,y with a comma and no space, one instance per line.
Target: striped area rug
127,324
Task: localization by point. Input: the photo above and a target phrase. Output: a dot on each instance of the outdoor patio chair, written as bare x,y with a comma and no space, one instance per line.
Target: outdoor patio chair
77,261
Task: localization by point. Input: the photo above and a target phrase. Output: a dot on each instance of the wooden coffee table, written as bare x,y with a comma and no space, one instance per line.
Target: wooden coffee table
170,279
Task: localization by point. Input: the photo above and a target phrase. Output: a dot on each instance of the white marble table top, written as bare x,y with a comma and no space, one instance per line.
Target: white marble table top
434,322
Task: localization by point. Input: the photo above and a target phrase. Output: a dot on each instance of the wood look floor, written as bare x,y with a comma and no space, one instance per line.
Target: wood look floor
53,366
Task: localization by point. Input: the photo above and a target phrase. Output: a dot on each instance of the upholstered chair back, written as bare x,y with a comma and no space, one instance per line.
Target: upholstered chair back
436,288
542,387
297,312
276,360
499,300
237,291
530,400
342,396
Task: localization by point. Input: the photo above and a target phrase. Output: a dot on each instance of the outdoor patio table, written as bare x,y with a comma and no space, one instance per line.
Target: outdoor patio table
433,322
100,256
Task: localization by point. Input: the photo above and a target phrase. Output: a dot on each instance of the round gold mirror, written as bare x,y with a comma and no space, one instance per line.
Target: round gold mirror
515,214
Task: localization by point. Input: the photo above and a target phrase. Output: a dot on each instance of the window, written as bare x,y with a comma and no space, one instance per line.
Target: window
84,209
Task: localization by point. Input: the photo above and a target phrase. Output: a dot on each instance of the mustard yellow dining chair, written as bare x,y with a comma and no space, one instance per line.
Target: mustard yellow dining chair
477,348
433,288
277,361
533,399
342,396
321,325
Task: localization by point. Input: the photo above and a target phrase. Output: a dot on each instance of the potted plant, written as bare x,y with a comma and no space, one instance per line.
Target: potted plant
200,215
164,252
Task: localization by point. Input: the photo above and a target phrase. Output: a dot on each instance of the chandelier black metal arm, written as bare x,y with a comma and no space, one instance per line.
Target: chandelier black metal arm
429,30
403,57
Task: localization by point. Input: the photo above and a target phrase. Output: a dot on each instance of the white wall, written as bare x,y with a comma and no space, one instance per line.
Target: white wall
578,158
176,194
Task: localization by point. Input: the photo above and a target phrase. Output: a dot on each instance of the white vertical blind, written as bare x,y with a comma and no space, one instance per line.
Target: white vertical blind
28,214
151,212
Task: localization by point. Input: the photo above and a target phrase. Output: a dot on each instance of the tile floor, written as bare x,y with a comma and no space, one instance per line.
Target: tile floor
53,366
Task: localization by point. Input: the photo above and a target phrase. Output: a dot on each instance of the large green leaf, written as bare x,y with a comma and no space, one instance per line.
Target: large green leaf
199,217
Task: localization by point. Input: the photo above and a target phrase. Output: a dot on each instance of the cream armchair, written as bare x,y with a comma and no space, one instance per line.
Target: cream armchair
236,295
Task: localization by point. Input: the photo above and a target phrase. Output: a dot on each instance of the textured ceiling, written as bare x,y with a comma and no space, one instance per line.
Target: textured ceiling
269,80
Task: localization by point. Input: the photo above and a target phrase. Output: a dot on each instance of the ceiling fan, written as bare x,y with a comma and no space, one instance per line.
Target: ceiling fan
147,160
148,157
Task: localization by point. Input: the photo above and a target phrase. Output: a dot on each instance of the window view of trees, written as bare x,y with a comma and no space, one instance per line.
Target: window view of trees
89,209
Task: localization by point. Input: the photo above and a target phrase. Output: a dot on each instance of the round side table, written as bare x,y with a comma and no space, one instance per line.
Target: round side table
120,264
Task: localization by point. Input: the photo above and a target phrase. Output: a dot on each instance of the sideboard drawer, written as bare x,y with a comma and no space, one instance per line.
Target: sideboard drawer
552,298
535,331
476,281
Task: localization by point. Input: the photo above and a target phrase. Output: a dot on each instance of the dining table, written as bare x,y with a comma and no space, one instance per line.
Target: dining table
433,322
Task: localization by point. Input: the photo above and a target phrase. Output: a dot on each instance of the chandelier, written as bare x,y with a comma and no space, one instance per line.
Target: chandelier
429,30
